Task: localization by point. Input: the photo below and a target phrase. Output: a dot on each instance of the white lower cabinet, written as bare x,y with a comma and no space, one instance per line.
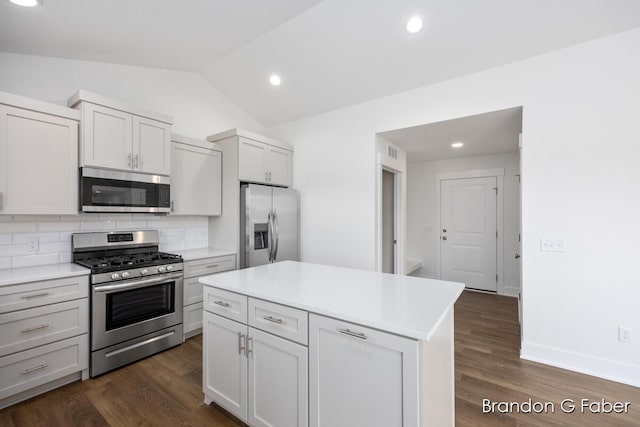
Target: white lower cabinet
192,288
44,340
258,377
360,376
224,367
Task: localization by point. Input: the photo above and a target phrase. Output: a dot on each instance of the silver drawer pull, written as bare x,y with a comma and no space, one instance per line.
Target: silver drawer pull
35,328
222,303
36,368
241,343
360,335
43,294
273,319
212,266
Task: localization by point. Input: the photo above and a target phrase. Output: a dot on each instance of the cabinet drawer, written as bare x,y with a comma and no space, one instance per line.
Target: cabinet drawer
280,320
27,369
192,318
192,290
21,330
203,267
34,294
225,303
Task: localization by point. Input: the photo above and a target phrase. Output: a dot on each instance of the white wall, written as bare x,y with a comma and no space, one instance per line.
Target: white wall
580,183
198,109
422,233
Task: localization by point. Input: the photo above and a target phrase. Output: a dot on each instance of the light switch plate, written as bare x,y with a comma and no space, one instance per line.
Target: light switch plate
552,245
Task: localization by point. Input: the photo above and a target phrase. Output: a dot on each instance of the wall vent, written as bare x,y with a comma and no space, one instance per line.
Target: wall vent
392,152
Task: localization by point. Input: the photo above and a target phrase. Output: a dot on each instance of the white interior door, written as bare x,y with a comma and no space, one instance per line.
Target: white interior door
468,232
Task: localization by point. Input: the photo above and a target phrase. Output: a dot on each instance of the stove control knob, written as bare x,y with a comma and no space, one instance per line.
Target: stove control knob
115,276
144,271
169,267
161,269
125,274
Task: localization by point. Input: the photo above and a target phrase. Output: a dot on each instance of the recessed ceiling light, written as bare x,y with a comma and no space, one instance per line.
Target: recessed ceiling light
457,144
27,3
275,80
414,24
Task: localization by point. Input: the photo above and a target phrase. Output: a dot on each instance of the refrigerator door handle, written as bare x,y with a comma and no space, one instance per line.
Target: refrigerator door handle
270,235
277,234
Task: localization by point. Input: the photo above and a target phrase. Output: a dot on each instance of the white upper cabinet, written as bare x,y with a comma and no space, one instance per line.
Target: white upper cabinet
260,159
38,158
122,137
151,146
196,177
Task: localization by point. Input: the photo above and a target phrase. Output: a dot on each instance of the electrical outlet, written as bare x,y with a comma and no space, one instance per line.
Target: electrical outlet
552,245
33,244
625,334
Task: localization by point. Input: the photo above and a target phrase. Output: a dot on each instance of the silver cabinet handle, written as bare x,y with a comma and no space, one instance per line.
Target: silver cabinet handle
222,303
444,237
241,343
269,176
349,332
36,368
212,266
249,346
35,328
273,319
172,206
129,162
266,176
517,255
43,294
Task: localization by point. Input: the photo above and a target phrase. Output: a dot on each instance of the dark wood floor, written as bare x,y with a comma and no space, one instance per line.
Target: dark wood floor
165,390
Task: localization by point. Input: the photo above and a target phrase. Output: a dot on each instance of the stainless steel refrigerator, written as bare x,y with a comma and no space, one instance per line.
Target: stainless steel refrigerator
268,224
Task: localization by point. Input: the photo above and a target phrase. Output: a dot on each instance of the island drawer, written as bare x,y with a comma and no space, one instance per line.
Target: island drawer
203,267
286,322
34,294
21,330
225,303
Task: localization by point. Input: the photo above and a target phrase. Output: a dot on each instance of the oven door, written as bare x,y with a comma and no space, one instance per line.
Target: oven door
132,308
104,190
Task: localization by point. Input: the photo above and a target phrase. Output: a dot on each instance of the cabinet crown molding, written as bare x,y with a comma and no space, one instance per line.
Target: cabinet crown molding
86,96
249,135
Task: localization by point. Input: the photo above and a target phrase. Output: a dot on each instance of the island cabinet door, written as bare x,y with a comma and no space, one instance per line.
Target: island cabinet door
360,376
278,387
224,367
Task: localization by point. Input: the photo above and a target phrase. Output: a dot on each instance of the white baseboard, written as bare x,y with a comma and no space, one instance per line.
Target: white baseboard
510,292
585,364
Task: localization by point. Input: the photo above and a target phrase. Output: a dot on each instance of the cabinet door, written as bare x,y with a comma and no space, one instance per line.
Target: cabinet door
252,160
224,364
277,381
106,137
151,146
38,163
360,376
280,166
196,180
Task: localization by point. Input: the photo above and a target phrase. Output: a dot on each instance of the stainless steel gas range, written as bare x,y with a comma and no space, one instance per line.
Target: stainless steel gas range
136,296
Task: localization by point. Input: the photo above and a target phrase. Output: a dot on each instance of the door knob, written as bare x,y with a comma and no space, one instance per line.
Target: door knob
444,237
517,255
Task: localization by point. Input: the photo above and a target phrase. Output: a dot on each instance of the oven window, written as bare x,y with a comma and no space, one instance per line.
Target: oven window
136,305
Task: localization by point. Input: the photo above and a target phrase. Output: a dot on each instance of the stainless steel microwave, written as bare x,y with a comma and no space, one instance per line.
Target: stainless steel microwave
104,190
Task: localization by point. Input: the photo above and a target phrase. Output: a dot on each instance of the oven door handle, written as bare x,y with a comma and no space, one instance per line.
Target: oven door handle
136,283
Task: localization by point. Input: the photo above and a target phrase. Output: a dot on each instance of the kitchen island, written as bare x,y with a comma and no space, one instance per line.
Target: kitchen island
302,344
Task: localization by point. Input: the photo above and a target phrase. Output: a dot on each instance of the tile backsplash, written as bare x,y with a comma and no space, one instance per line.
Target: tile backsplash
54,234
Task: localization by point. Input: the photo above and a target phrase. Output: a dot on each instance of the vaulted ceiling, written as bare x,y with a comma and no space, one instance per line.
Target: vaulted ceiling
329,54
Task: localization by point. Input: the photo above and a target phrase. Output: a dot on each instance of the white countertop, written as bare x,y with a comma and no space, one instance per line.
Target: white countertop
403,305
15,276
193,254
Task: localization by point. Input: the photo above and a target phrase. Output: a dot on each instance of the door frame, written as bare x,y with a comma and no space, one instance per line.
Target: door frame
398,223
498,173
